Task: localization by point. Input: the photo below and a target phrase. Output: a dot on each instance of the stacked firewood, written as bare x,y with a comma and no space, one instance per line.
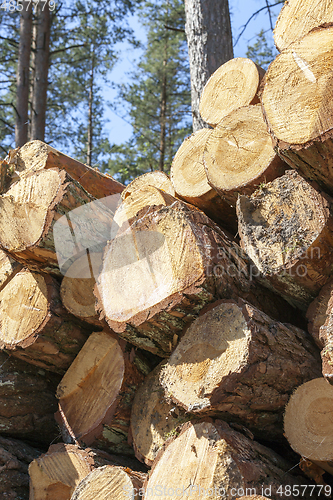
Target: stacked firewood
180,325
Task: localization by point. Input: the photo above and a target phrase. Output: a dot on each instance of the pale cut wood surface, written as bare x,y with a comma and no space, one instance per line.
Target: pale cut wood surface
157,179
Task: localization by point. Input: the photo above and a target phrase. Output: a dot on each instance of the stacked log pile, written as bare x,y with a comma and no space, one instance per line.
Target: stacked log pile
182,324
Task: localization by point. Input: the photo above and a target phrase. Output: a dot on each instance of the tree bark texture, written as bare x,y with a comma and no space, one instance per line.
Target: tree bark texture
209,39
22,77
41,71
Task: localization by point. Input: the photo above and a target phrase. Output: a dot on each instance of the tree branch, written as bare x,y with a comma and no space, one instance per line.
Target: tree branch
174,29
254,15
68,48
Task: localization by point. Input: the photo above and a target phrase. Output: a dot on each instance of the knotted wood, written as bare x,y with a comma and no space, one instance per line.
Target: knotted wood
96,393
233,85
190,181
297,104
286,230
34,326
159,273
308,422
239,156
237,362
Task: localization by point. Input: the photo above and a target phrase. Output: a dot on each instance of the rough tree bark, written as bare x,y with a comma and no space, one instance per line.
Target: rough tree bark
22,77
209,39
41,72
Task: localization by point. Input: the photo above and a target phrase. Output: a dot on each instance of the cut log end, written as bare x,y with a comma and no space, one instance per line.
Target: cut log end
239,155
157,179
233,85
308,422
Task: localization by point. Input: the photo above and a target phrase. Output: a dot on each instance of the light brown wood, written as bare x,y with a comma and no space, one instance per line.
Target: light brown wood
298,17
27,401
77,288
32,208
96,393
109,482
308,422
153,419
160,272
189,179
320,317
8,269
34,326
210,460
239,155
156,179
225,364
286,230
233,85
37,155
297,104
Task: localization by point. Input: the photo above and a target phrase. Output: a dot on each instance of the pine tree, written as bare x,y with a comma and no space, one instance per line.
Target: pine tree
262,52
158,98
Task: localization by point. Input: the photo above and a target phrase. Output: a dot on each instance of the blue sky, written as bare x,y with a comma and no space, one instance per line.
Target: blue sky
241,10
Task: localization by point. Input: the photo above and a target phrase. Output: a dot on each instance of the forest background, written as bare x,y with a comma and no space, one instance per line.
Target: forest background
117,95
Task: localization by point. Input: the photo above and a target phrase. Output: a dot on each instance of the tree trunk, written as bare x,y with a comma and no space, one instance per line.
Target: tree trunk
157,179
190,181
286,229
77,288
297,18
59,234
27,401
110,482
96,393
209,40
170,263
320,316
22,77
298,107
233,85
15,457
90,110
308,424
34,325
238,155
163,112
37,155
212,460
41,71
153,419
56,474
236,362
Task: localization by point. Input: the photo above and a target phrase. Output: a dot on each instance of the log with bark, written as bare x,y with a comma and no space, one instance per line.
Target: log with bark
15,457
210,460
320,317
169,264
298,108
77,288
239,156
96,393
153,419
35,327
233,85
236,362
297,18
110,482
55,474
40,227
286,230
36,155
27,401
156,178
190,181
308,422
